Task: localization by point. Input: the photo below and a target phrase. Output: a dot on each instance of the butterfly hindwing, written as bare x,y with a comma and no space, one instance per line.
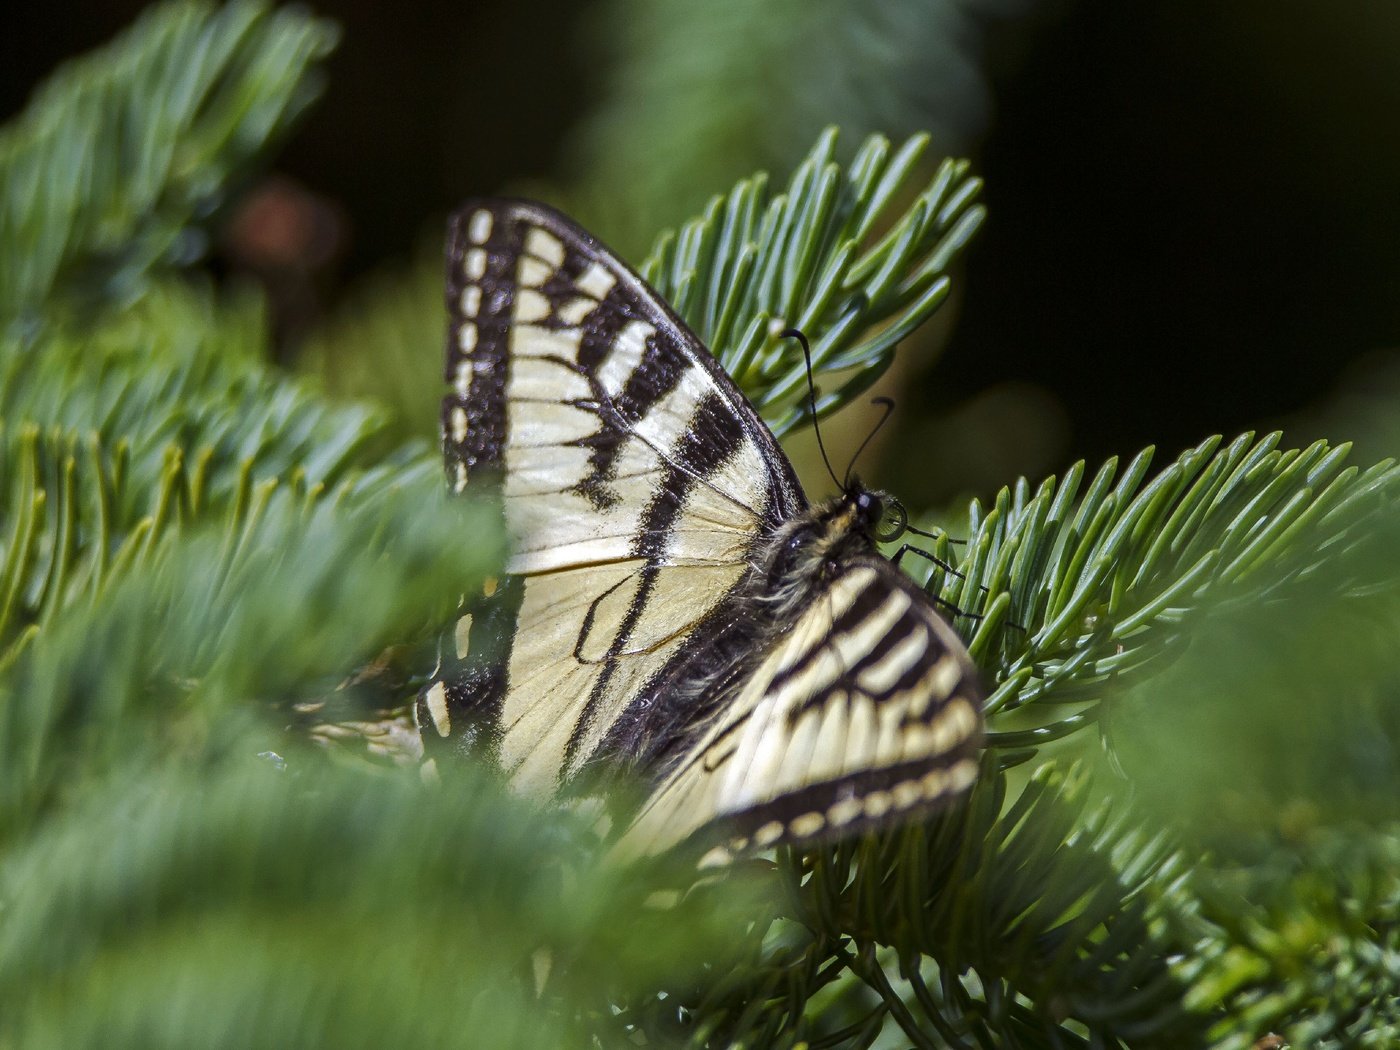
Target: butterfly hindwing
866,709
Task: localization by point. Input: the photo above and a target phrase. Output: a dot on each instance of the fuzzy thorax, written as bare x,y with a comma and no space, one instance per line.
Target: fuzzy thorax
808,550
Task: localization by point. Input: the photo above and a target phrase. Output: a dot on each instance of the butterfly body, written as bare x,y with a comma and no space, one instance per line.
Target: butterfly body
677,614
789,568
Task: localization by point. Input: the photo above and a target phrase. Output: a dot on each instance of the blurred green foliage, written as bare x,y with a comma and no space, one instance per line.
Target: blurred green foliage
110,172
219,582
759,81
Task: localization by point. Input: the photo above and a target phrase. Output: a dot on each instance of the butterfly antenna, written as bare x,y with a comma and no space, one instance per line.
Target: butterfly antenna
793,333
888,405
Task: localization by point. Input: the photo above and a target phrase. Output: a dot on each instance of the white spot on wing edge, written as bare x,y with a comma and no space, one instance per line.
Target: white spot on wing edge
479,226
437,708
906,793
461,480
462,636
575,310
595,281
877,803
718,857
474,265
544,245
934,782
471,300
768,834
952,725
466,337
807,824
844,811
459,423
962,774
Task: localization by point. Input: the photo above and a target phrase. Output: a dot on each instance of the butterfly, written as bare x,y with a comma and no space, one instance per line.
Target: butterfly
675,613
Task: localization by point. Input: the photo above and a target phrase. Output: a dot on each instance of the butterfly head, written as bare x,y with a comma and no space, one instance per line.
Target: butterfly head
877,514
815,544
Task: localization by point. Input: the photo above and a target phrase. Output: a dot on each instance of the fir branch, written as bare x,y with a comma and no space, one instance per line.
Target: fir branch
116,442
189,549
301,575
122,155
1029,891
182,367
79,521
1019,895
1303,943
144,723
1272,748
835,255
1079,594
181,900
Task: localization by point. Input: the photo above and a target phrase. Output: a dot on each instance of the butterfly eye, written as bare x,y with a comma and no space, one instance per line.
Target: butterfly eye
892,523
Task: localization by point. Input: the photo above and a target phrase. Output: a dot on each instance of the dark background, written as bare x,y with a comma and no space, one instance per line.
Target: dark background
1193,204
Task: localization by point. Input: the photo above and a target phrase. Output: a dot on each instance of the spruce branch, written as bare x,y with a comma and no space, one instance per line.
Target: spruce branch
109,173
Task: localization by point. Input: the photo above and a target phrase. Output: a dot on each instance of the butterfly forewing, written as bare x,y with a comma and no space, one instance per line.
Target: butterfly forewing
599,412
644,497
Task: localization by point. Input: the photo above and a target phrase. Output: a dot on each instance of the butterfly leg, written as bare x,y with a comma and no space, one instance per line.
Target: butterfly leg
909,548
